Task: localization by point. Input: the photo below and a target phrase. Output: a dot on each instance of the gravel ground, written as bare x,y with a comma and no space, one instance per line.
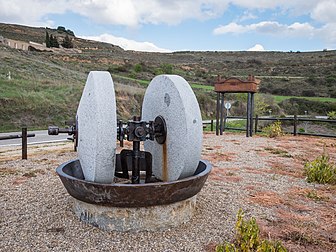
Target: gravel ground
262,176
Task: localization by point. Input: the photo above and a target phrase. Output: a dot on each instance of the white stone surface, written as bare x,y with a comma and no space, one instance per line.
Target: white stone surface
124,219
97,128
172,97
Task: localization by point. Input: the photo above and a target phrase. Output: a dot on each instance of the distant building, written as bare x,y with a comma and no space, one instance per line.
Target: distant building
16,44
33,46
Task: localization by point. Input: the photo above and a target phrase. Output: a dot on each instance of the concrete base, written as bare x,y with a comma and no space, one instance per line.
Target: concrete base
136,219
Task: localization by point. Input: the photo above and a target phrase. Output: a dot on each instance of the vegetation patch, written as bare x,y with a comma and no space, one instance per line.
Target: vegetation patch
248,238
7,172
280,152
312,194
274,130
321,170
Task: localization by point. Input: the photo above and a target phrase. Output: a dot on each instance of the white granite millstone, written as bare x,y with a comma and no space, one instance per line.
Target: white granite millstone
171,97
97,128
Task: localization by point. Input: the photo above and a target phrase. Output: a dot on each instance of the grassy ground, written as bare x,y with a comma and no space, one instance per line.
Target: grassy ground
36,104
280,98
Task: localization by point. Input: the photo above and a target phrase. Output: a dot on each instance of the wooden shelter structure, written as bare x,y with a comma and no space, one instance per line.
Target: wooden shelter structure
235,85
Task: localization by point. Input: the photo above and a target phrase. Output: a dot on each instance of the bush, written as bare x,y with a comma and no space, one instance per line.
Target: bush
61,29
138,68
321,170
67,43
308,93
167,68
248,238
297,106
274,130
331,115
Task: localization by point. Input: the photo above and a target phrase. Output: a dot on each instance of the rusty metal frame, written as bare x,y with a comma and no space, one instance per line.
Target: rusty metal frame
130,195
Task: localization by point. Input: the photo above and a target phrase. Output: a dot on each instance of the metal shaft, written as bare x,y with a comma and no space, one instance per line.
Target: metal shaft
136,163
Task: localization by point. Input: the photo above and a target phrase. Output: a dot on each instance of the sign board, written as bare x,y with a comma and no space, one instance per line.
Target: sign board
227,105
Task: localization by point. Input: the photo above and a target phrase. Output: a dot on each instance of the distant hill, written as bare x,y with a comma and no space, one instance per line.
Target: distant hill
46,87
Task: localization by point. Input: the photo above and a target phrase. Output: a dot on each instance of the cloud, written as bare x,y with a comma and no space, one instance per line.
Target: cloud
133,13
325,12
127,44
136,13
230,28
247,16
30,12
268,27
130,13
256,48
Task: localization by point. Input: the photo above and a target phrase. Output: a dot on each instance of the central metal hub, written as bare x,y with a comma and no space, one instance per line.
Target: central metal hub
160,129
137,131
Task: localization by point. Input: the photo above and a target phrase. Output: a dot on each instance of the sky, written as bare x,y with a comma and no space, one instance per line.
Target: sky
186,25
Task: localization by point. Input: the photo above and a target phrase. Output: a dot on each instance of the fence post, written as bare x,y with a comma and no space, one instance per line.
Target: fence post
24,142
211,127
295,125
256,124
217,115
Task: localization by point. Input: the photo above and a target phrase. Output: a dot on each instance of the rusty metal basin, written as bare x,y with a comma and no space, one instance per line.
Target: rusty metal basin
130,195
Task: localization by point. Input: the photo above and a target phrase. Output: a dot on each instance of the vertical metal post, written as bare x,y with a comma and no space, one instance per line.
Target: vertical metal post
136,163
221,113
224,123
224,114
211,125
217,115
251,113
24,142
136,158
248,115
295,125
256,125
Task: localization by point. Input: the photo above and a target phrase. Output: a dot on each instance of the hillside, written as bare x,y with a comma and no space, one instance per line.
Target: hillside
45,87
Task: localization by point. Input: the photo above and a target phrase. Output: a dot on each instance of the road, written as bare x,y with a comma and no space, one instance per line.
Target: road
41,136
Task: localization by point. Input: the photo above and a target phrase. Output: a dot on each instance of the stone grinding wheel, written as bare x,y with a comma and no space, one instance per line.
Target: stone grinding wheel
171,97
97,128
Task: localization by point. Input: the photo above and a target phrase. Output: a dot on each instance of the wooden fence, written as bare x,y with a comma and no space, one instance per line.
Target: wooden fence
24,135
295,121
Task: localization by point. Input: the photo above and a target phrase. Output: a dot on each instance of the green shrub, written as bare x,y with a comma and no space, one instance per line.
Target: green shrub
164,69
138,68
274,129
331,115
321,170
167,68
248,238
302,130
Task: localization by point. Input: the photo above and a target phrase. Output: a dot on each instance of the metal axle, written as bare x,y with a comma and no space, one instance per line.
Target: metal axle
135,131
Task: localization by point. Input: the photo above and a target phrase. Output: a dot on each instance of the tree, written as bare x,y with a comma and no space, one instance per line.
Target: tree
71,33
61,29
53,41
47,40
67,43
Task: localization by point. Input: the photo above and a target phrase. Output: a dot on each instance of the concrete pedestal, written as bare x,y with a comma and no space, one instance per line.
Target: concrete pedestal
136,219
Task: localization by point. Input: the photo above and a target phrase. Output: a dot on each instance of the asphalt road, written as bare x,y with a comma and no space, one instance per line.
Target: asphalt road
41,136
